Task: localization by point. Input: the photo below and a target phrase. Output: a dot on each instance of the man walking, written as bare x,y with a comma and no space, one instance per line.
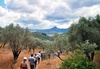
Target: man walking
32,62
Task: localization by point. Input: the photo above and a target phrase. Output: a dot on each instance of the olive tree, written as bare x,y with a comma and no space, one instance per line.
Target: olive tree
88,48
61,42
33,43
2,34
85,29
15,37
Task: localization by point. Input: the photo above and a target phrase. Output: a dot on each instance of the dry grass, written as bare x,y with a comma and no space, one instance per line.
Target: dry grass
6,58
52,63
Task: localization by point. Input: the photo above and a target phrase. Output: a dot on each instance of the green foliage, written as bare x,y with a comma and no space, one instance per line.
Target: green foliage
61,42
97,52
77,61
77,53
88,47
14,35
1,35
49,46
85,29
42,36
34,43
18,38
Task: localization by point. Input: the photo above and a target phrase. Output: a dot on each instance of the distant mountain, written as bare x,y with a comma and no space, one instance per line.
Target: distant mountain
51,30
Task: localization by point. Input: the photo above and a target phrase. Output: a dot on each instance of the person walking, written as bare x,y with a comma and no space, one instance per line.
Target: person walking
43,56
32,62
24,64
36,59
58,55
39,56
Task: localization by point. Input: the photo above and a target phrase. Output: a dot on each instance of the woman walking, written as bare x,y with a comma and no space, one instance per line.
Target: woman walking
24,64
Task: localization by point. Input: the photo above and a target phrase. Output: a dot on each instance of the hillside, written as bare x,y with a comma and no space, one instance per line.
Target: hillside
41,36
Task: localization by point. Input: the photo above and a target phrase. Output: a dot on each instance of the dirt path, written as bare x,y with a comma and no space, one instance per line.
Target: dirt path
52,63
6,59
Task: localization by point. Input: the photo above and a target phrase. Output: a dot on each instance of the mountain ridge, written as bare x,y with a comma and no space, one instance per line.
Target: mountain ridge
52,30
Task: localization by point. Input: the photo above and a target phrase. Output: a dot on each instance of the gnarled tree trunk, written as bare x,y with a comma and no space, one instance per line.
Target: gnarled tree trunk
15,54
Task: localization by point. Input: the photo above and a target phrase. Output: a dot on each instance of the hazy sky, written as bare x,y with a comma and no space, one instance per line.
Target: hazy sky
43,14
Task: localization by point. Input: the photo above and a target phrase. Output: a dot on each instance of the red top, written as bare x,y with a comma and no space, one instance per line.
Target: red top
23,65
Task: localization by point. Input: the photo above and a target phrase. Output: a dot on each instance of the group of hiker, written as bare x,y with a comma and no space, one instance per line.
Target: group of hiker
35,59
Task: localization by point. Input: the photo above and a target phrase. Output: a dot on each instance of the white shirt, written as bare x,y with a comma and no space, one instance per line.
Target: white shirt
39,55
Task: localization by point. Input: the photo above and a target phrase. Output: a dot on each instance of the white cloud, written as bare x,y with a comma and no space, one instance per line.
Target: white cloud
39,14
2,11
7,17
88,11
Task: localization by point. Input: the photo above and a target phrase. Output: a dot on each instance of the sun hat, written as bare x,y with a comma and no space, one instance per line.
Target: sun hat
24,58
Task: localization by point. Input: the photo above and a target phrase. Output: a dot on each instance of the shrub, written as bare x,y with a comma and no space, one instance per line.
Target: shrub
77,61
97,52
